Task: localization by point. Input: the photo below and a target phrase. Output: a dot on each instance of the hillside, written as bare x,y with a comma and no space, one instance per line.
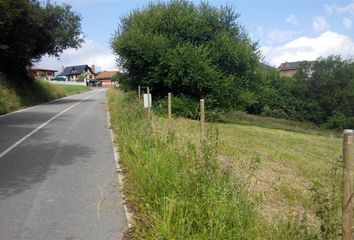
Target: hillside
281,165
30,92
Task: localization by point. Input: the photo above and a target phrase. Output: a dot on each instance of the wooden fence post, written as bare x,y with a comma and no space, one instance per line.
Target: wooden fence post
169,108
139,92
148,102
347,207
202,121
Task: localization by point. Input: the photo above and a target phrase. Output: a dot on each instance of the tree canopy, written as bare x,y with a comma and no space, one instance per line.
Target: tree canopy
29,29
321,92
199,51
192,50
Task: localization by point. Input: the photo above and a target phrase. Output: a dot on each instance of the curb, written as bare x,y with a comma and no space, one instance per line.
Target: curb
119,170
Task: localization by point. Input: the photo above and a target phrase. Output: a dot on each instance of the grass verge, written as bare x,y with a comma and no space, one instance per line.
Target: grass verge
249,182
175,190
29,93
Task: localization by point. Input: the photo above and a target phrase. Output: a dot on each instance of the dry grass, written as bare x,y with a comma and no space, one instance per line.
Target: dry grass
289,162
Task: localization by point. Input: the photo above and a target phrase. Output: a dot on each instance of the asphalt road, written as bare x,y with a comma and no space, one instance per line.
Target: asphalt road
57,172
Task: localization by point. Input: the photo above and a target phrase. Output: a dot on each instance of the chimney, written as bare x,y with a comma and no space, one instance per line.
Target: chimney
93,68
62,69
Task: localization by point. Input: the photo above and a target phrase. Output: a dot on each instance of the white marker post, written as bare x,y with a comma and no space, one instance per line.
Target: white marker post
148,102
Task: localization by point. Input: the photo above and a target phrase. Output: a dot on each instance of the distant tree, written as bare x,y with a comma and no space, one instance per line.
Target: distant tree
192,50
321,92
29,29
328,84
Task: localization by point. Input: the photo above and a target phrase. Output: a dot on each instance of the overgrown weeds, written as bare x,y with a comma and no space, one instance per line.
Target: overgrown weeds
176,190
179,190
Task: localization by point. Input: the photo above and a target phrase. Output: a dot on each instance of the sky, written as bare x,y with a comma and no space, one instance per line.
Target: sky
286,30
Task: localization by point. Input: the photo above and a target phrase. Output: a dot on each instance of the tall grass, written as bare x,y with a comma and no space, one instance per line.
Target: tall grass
177,191
29,92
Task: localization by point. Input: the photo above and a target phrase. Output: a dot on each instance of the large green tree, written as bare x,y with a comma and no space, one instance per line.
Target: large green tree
328,86
321,92
191,50
29,29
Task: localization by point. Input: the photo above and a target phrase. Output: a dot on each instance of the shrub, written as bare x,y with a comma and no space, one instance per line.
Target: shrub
8,97
196,51
182,106
339,121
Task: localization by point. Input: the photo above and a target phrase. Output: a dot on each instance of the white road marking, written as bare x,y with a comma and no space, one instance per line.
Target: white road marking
24,109
43,125
21,110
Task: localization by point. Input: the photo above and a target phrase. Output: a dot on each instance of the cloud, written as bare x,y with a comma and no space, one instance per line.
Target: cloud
337,9
319,24
90,53
306,48
292,19
280,36
347,23
275,36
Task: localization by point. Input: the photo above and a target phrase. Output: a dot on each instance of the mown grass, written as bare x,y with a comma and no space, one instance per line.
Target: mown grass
242,118
72,89
289,164
250,182
29,93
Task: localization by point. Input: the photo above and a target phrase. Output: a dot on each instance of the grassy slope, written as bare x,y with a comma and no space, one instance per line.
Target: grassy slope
273,168
289,163
33,93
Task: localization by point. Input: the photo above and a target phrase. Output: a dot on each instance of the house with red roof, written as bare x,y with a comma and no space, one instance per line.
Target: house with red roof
42,73
105,78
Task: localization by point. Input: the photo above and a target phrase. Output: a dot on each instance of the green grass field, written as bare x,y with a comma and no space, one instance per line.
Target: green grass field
72,89
288,163
251,181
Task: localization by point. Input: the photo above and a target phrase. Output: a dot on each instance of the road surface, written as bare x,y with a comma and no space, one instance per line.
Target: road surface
57,172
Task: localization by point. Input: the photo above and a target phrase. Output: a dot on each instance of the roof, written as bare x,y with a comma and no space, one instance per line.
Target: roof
42,69
75,70
106,74
289,66
266,66
292,65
